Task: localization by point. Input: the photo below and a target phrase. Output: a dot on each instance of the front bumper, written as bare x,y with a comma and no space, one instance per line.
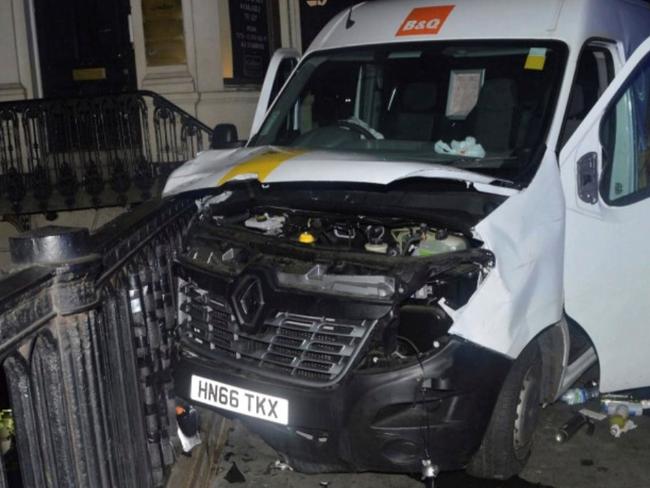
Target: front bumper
377,420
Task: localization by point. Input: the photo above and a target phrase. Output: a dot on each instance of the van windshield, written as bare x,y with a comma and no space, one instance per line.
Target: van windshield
482,106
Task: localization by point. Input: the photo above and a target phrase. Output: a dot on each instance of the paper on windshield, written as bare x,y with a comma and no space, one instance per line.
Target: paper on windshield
464,89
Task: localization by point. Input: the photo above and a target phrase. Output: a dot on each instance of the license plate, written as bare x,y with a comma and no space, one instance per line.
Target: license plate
240,400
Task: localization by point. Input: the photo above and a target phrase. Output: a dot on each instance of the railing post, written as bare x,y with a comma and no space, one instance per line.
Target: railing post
87,343
55,379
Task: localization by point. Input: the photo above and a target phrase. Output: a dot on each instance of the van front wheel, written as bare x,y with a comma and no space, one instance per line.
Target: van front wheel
508,440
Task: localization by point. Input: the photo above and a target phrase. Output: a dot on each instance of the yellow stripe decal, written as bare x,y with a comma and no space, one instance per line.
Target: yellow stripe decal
260,165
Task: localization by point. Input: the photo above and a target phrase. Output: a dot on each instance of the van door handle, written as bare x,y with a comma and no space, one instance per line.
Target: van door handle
588,178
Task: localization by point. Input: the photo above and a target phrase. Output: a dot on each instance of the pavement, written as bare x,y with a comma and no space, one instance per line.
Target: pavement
583,462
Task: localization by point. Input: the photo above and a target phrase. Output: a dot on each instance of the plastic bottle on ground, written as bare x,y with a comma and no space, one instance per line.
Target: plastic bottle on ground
576,396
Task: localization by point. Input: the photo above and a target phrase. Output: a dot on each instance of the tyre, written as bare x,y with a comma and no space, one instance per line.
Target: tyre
508,439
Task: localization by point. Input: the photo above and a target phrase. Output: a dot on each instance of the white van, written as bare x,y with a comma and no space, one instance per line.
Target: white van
439,224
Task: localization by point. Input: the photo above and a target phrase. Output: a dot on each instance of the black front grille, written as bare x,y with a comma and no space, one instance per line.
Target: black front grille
299,347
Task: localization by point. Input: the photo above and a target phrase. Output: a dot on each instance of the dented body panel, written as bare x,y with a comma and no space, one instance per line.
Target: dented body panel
284,165
523,295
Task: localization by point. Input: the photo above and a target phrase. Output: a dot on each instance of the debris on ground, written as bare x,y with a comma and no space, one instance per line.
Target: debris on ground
568,430
188,422
611,405
620,408
619,421
620,426
280,466
593,415
234,475
576,396
583,462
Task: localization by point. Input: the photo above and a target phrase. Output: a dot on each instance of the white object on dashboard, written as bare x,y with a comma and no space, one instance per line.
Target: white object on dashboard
467,148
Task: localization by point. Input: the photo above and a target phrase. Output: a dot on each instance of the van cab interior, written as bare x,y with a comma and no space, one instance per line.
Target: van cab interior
401,100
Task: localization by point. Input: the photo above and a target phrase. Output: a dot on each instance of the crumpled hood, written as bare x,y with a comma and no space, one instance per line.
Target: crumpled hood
270,164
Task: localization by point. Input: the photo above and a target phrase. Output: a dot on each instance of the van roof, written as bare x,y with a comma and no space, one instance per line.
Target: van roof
571,21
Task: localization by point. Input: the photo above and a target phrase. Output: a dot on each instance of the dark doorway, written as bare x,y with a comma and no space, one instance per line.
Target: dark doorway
84,47
314,14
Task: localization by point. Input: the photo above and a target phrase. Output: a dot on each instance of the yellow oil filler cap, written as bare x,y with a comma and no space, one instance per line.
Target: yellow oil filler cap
306,238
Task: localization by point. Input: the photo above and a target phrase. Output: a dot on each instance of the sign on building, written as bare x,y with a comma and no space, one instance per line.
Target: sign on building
249,25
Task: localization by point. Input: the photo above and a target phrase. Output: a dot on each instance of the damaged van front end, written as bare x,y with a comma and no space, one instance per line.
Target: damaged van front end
364,327
337,352
368,283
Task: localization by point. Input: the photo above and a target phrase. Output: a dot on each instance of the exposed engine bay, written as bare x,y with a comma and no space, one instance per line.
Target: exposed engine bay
402,276
389,236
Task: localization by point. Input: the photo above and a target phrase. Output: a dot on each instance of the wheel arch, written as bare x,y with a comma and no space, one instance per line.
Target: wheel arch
559,369
554,344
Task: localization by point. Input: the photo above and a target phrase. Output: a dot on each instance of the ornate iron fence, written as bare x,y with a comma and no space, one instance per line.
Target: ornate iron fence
74,153
86,342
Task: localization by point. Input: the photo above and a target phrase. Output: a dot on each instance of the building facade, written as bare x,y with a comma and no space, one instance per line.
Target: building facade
207,56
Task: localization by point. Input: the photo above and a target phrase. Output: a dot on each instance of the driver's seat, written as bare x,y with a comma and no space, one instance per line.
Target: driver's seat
412,115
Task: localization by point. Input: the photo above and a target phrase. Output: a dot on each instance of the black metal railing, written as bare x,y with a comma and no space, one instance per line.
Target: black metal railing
74,153
87,345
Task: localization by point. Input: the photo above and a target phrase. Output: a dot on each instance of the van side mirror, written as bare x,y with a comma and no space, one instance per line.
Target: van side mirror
224,136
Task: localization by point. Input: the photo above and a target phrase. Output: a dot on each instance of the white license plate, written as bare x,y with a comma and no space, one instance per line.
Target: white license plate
240,400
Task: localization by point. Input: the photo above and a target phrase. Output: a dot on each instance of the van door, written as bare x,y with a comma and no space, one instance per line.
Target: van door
595,70
605,169
280,68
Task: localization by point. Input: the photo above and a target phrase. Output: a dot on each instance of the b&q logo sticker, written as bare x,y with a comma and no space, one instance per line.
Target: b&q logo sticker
425,21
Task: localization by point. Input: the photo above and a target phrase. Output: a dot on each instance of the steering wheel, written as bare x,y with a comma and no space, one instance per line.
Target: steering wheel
359,129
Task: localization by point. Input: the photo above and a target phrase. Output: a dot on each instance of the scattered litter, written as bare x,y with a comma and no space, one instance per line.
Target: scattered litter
634,408
188,427
324,484
234,475
615,426
568,430
618,407
623,397
576,396
597,416
619,422
280,466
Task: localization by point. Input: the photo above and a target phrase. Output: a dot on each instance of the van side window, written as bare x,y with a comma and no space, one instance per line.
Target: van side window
625,137
594,73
